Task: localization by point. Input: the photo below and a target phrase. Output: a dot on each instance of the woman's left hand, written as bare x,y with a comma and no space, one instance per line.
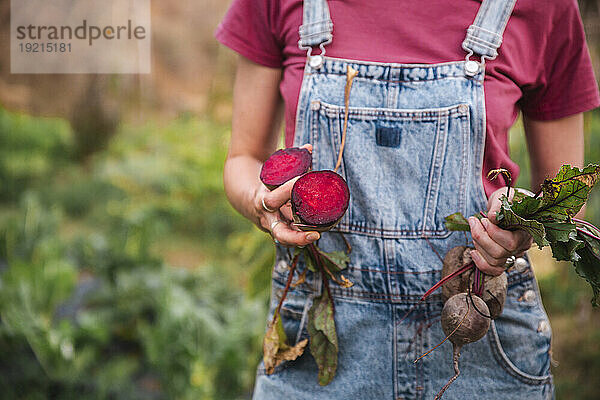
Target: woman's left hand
493,245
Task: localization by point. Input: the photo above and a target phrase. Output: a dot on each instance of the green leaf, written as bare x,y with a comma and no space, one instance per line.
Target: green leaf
566,251
567,192
308,259
559,231
563,240
588,265
507,219
323,337
457,222
335,261
525,206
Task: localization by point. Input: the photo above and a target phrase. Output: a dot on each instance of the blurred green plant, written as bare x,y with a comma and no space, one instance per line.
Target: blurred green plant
103,316
31,149
88,307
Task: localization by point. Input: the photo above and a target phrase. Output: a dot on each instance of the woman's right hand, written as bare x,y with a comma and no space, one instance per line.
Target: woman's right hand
276,216
255,133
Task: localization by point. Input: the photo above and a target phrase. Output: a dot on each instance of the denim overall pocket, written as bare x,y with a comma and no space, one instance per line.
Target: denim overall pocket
520,338
390,147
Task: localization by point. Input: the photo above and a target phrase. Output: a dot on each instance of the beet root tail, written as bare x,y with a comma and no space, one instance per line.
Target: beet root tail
456,355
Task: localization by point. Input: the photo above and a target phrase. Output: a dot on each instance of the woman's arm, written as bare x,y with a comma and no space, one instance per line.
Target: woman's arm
256,128
550,144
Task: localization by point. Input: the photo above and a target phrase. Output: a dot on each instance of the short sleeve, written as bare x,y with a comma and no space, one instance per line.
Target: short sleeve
566,84
247,28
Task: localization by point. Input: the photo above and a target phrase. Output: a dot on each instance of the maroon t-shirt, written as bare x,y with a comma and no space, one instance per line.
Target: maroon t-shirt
543,67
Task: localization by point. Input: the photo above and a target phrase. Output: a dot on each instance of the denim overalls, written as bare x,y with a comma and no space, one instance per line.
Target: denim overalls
413,154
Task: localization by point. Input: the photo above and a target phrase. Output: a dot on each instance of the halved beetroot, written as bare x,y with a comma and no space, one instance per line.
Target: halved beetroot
284,165
319,200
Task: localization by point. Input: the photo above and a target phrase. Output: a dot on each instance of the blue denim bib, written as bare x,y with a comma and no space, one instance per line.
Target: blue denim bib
413,155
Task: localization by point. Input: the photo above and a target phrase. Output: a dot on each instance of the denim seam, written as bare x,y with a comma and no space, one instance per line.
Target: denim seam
388,251
441,147
433,271
503,360
417,114
432,169
391,233
420,80
388,115
462,200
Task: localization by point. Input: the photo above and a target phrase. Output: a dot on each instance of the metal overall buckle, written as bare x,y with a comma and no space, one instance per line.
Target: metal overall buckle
473,67
317,60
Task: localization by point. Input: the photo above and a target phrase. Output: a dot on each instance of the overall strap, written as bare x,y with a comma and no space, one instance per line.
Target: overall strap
316,25
484,36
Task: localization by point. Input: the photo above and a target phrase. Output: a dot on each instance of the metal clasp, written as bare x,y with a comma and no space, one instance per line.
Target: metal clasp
473,67
317,60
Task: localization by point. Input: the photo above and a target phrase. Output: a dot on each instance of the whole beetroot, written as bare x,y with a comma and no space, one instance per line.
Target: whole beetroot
463,325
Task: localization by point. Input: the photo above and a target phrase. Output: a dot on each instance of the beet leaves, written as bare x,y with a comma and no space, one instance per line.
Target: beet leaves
548,217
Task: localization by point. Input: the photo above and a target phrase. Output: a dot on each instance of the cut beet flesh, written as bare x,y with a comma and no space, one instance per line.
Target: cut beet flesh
284,165
320,199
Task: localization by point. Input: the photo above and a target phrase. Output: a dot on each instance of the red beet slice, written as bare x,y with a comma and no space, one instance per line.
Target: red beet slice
319,200
284,165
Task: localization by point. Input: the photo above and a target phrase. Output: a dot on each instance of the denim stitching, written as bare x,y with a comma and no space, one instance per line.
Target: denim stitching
507,365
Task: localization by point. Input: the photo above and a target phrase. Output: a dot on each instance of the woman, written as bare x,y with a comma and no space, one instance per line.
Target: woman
429,114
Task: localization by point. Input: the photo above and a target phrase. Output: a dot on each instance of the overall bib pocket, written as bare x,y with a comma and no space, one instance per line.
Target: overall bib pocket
388,149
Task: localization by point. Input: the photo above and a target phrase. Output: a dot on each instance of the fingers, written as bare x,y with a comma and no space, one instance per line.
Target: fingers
511,241
275,214
494,202
286,211
287,235
276,198
494,245
307,147
484,265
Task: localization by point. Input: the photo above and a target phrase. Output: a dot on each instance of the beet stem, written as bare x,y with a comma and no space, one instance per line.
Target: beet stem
348,246
447,278
470,297
589,225
350,75
317,256
455,357
448,337
589,233
287,285
434,250
478,283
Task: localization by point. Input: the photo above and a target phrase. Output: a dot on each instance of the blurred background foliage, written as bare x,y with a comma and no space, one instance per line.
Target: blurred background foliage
124,272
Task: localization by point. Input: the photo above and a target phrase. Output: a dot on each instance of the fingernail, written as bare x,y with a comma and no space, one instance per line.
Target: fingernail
485,222
471,222
312,236
475,256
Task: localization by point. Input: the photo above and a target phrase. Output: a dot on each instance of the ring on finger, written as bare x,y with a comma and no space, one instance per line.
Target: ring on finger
274,224
509,262
267,209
